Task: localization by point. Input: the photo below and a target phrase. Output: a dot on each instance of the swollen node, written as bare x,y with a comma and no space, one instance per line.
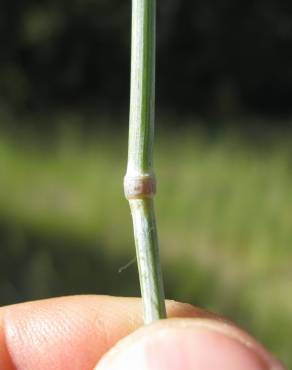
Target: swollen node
139,187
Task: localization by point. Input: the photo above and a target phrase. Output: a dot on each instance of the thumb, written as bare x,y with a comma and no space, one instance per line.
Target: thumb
189,344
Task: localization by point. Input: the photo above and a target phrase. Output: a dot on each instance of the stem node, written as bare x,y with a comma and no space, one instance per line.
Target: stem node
139,187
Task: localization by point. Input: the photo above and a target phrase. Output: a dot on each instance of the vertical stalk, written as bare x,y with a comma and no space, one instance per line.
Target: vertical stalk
139,181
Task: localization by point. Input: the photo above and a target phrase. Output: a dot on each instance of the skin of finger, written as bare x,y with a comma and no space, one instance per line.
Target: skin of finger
224,343
71,332
4,355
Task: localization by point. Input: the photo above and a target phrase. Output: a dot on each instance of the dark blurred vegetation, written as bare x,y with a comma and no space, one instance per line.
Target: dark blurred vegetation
214,58
223,155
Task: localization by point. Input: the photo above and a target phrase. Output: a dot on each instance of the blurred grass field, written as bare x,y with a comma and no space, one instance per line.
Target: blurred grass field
224,213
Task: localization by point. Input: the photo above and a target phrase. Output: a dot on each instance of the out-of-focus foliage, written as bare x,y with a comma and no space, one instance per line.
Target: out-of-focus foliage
223,209
213,57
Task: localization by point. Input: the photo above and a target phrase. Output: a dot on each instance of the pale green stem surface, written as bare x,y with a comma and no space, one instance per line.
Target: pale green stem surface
140,156
148,259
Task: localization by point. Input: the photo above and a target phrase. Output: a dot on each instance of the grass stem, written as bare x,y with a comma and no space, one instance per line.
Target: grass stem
139,181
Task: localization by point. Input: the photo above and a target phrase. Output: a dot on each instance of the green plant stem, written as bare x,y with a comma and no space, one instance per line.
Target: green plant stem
139,179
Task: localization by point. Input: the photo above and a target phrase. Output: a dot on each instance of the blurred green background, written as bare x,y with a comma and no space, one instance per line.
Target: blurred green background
223,155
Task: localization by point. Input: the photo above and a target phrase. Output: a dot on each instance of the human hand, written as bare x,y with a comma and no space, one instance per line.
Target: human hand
81,333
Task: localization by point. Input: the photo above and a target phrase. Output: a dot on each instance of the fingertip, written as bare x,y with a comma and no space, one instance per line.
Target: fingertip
75,332
60,332
189,344
5,360
66,332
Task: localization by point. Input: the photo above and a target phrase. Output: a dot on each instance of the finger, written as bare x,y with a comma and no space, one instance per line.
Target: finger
4,356
189,344
72,332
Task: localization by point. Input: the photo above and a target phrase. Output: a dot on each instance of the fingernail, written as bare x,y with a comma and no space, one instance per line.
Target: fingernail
188,346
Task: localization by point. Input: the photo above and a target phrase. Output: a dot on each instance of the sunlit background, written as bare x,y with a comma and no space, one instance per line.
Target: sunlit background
223,155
